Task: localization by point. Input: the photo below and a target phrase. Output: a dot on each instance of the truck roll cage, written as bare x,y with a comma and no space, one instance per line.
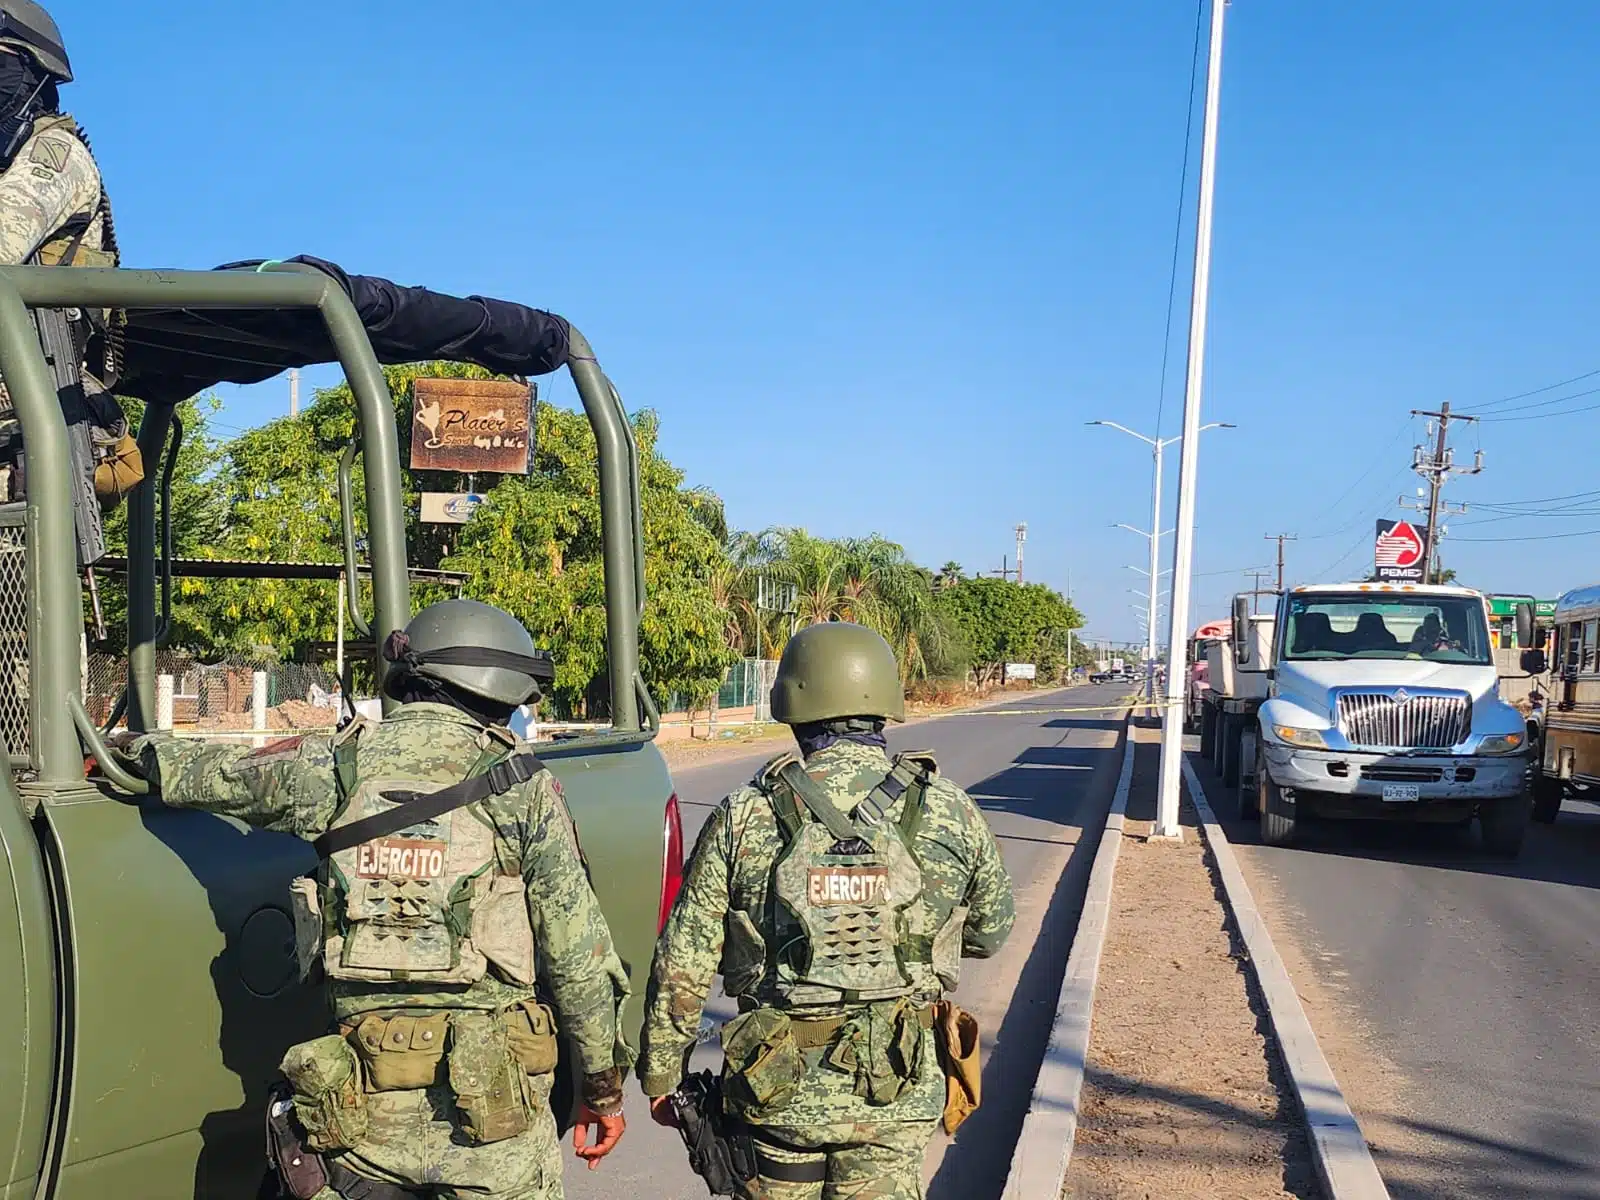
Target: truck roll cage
187,330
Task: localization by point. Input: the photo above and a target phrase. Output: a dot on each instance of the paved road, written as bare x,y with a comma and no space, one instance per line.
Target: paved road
1037,775
1479,980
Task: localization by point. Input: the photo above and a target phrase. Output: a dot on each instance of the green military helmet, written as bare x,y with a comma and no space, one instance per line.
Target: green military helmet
29,28
835,670
474,647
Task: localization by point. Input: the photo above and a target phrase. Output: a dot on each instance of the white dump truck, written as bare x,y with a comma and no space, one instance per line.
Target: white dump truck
1383,702
1237,665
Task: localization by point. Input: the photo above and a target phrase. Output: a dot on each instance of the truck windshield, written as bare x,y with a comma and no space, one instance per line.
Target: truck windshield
1436,628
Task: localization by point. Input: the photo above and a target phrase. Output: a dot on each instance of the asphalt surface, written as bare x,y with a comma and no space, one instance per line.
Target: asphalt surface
1039,776
1477,979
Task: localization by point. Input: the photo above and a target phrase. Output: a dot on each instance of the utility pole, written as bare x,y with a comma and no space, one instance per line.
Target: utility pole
1255,589
1280,538
1005,572
1166,822
1437,467
294,391
1022,536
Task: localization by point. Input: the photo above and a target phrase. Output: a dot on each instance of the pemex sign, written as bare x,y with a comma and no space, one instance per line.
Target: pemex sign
1400,552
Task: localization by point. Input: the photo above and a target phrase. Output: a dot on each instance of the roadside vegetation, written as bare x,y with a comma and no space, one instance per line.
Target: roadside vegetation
534,549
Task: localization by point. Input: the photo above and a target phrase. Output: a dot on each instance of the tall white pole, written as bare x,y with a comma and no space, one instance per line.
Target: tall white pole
1155,552
1166,824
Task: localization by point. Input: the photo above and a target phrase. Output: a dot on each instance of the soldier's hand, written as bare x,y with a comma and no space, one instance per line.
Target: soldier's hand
661,1111
607,1135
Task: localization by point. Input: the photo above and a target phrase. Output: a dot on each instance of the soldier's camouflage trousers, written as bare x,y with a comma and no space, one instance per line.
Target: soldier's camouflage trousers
841,1162
414,1140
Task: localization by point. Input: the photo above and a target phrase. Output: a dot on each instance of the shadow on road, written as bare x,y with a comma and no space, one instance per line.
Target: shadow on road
975,1165
1567,852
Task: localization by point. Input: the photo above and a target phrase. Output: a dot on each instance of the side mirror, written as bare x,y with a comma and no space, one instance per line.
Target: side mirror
1241,629
1534,662
1524,612
1540,638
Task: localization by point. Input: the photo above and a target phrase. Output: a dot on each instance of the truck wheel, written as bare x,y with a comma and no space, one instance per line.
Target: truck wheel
1547,796
1277,818
1249,792
1503,824
1208,731
1228,751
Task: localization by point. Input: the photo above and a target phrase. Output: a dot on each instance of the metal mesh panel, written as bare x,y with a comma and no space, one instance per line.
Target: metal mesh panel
1388,720
14,688
13,640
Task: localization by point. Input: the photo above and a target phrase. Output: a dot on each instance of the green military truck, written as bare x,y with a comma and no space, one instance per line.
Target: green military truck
148,983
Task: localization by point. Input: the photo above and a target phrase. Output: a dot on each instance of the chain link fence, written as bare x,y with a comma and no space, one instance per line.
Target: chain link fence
227,698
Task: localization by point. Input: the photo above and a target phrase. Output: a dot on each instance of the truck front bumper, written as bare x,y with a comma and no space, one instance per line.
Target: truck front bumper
1442,780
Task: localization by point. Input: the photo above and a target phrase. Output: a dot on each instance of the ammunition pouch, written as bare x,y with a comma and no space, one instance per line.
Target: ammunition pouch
401,1052
956,1042
882,1046
487,1079
721,1150
531,1035
763,1067
328,1093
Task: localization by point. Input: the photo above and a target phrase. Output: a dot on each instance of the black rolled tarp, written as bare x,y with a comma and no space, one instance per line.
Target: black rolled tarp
173,353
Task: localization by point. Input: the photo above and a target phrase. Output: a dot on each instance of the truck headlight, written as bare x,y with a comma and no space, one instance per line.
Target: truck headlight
1508,743
1308,739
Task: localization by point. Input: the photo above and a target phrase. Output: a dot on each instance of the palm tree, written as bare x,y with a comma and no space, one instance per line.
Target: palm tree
949,575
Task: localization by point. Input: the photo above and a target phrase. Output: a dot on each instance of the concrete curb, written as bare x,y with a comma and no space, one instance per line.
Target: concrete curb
1044,1146
1344,1162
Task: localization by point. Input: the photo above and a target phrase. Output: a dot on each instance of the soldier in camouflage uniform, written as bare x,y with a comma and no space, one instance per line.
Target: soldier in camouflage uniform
437,1081
54,212
836,895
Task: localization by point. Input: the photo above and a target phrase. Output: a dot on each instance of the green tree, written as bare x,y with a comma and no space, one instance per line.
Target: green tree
1003,622
534,549
198,516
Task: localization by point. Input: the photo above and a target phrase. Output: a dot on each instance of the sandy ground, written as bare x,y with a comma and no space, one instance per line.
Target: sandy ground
1184,1095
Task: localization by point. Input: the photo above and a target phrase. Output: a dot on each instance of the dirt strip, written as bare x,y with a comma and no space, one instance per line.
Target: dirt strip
1183,1095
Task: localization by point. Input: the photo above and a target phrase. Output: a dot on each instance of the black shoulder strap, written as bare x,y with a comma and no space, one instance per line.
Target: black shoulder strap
414,807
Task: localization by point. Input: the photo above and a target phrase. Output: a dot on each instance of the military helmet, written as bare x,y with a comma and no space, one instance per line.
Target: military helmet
29,28
835,670
474,647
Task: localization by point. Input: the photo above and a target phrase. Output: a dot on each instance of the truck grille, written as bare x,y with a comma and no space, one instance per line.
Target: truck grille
1433,722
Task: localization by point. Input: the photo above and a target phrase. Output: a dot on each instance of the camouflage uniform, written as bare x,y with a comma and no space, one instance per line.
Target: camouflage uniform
52,181
413,1136
867,1150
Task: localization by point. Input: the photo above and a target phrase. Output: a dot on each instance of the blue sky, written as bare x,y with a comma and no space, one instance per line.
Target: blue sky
876,265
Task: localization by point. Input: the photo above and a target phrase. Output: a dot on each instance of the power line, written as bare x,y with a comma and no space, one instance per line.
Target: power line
1538,391
1566,412
1177,230
1538,537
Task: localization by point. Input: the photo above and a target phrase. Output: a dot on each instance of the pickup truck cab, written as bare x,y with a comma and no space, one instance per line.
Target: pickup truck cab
1384,702
148,983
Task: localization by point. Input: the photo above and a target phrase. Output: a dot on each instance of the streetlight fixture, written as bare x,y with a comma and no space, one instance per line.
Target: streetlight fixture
1157,445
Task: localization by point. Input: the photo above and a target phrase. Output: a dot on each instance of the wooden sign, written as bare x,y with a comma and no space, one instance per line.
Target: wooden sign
471,425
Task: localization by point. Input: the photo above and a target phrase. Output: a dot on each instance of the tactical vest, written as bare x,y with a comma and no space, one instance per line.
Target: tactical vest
841,888
428,904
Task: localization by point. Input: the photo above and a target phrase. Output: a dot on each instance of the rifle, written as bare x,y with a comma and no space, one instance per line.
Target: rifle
63,354
721,1150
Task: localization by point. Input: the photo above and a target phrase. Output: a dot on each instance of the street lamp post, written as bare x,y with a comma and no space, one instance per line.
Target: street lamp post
1157,445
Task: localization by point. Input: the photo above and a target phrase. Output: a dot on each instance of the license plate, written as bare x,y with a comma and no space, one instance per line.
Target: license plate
1393,792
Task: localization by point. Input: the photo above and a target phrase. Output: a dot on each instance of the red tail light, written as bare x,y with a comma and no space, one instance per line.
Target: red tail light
671,860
